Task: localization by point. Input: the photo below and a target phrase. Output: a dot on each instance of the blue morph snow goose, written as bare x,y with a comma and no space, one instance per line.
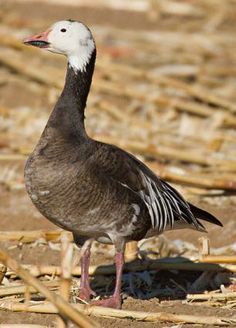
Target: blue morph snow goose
96,190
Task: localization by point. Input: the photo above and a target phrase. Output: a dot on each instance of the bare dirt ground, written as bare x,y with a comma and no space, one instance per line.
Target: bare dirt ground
17,212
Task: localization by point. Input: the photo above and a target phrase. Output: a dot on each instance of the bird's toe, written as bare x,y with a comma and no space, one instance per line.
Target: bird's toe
111,302
86,293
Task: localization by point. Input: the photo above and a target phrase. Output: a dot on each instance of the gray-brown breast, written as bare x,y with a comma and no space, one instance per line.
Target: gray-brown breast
78,192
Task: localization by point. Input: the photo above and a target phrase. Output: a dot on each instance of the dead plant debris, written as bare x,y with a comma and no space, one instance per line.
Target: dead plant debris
167,94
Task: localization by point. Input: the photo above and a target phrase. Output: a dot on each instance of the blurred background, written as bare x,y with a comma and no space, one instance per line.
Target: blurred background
163,89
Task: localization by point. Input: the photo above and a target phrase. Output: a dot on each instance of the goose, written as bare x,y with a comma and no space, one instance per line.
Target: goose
93,189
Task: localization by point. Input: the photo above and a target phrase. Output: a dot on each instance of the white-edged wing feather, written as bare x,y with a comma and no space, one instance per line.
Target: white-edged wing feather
166,207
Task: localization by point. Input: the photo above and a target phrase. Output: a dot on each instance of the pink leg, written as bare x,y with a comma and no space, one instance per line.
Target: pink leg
115,300
85,291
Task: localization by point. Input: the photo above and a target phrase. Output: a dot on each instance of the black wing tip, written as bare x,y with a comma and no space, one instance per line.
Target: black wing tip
217,222
204,215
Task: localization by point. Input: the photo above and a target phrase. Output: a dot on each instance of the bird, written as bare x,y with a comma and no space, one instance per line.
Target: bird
96,190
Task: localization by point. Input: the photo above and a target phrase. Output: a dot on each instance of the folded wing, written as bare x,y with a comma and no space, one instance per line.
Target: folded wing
165,205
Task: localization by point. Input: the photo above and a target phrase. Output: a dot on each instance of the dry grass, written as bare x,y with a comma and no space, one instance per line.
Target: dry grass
169,97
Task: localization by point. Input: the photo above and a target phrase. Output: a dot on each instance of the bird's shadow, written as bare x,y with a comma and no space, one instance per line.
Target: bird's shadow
165,278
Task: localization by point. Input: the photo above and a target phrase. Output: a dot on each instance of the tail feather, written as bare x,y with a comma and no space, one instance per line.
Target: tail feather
204,215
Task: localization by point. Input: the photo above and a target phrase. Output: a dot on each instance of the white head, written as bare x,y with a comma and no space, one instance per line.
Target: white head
70,38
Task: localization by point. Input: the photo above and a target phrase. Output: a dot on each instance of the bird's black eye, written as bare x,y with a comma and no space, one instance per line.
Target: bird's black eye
63,30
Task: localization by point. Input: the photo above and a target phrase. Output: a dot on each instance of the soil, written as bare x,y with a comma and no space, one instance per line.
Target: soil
18,213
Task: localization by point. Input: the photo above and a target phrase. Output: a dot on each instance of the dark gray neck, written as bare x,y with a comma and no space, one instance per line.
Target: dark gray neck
67,118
